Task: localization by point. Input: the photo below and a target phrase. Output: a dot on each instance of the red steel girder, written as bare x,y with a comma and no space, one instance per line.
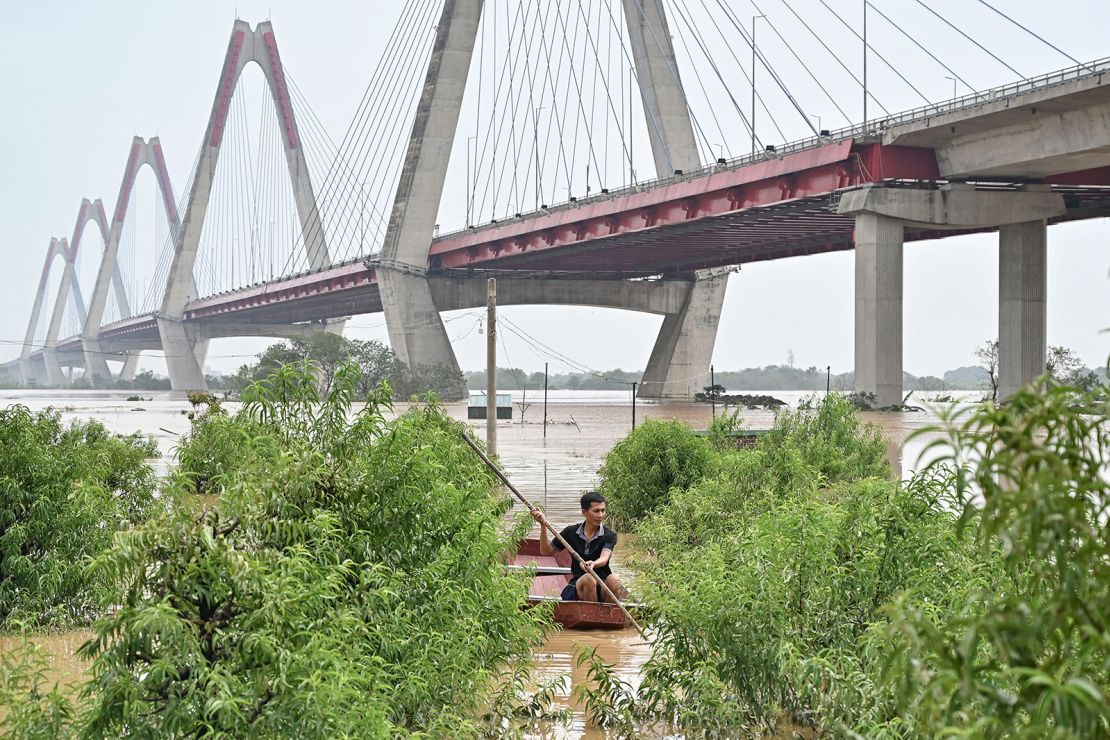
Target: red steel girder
801,175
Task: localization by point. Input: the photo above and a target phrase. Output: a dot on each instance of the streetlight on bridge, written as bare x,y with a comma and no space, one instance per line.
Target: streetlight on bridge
754,19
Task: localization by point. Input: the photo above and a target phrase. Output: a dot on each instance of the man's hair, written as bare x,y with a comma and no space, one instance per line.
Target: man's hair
590,498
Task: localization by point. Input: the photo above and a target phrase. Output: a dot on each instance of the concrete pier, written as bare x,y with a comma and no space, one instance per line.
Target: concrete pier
1021,305
878,317
679,363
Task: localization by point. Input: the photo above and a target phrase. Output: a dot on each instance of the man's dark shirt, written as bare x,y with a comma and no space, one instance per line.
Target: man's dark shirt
605,539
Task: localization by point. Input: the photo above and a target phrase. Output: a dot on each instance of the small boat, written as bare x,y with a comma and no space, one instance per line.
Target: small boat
552,574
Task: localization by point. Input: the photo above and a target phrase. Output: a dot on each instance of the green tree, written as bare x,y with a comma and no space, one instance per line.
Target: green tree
1032,659
642,470
348,585
987,355
64,492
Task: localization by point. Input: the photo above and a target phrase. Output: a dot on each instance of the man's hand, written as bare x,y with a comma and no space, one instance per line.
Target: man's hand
545,543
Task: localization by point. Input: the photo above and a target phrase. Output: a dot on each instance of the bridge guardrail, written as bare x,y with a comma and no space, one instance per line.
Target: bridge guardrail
970,100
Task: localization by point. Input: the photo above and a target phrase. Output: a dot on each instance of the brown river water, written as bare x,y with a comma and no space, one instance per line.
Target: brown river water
552,470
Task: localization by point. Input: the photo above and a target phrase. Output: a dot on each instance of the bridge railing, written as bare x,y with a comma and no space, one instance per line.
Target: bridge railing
874,126
1002,92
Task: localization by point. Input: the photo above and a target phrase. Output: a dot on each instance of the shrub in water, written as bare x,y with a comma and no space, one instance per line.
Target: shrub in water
348,585
789,587
64,491
641,470
1032,659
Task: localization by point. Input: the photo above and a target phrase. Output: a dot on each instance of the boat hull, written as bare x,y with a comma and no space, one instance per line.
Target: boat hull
547,589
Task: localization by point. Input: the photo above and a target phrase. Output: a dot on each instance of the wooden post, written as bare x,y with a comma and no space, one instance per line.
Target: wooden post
633,404
545,415
713,390
491,367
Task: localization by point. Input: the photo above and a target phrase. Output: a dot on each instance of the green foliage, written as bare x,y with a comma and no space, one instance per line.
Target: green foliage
642,470
349,582
796,584
29,707
830,439
64,492
328,353
217,445
1034,658
768,579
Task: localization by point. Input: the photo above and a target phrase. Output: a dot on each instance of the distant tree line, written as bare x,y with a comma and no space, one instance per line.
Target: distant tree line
1063,364
328,352
378,362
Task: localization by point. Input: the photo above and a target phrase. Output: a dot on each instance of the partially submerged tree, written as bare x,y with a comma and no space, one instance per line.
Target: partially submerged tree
328,352
987,355
64,492
348,584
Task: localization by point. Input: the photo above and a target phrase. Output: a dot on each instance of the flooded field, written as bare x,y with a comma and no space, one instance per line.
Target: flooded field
552,469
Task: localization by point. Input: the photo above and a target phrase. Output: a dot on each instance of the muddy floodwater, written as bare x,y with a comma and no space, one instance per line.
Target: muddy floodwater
552,469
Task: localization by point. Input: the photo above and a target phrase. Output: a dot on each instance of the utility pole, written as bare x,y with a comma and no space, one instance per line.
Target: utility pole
536,129
713,389
633,404
468,192
491,368
631,160
545,413
828,379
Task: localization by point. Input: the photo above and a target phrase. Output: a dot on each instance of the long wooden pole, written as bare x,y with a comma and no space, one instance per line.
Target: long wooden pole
585,566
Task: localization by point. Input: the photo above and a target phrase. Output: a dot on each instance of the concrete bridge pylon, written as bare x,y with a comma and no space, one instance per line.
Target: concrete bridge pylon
69,286
416,331
185,353
108,278
679,362
28,370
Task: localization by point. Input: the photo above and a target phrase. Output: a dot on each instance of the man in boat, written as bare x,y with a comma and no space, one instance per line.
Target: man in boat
594,542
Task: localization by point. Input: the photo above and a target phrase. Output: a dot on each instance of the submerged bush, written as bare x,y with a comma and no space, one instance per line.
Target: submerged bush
349,583
642,470
796,583
64,492
1032,484
217,445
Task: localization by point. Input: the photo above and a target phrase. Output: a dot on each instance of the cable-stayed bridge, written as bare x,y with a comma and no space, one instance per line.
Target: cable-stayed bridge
283,230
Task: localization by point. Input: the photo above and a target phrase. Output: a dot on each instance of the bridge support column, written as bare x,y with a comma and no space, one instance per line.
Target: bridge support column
95,364
185,369
130,365
27,371
881,214
54,375
416,331
679,362
878,337
1022,287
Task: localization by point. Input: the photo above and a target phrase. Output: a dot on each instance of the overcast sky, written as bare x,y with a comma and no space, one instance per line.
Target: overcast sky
80,79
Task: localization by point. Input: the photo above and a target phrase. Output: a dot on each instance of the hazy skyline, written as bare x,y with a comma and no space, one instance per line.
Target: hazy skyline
81,79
